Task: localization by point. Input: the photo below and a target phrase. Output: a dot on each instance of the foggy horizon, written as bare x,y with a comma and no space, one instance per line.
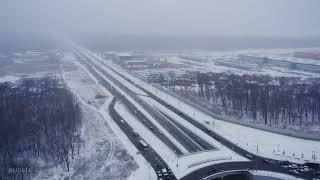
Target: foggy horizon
248,18
161,25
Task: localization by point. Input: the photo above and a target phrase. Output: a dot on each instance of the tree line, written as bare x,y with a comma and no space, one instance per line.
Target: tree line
270,100
40,120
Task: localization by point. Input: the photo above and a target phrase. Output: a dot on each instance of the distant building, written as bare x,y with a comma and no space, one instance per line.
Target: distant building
135,64
307,55
109,55
125,56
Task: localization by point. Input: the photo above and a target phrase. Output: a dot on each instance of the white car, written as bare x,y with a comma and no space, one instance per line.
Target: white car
159,174
165,172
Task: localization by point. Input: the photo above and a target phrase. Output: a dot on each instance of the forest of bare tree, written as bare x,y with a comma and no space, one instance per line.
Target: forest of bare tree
40,124
273,101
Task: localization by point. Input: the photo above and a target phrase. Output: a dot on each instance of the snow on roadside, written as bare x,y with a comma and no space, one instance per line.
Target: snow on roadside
143,111
274,175
267,144
145,134
93,160
144,167
180,166
123,81
220,155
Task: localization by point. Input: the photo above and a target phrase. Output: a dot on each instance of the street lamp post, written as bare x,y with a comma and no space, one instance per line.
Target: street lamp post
149,171
177,165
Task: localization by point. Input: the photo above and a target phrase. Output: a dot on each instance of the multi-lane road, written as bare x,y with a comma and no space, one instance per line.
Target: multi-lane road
186,137
150,154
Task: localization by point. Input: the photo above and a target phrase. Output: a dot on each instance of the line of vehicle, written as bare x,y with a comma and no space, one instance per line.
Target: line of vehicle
202,143
184,140
130,106
182,134
257,159
261,161
157,163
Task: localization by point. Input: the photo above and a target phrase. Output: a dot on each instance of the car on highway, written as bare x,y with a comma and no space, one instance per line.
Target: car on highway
294,171
284,163
249,156
151,128
122,121
293,166
165,172
144,144
159,174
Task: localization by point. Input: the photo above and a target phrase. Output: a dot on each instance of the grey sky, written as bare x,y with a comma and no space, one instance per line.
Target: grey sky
286,18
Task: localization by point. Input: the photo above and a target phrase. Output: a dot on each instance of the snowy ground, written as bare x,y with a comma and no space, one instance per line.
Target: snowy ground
260,142
269,144
106,151
267,175
8,78
274,175
187,163
180,166
227,61
102,155
24,68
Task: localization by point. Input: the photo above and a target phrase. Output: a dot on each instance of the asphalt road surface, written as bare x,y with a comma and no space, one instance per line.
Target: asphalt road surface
183,138
256,162
150,154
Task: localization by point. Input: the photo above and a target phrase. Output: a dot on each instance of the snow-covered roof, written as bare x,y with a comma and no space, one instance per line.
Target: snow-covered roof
124,54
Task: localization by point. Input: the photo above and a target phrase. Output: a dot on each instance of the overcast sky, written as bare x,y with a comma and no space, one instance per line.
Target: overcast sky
280,18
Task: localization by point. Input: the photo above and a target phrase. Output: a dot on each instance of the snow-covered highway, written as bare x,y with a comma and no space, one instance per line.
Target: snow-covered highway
190,135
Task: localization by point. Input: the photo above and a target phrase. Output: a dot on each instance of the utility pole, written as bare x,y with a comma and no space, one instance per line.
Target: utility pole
257,154
177,165
149,171
238,137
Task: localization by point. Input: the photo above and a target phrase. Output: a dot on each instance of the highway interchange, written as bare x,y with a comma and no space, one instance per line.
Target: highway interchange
186,137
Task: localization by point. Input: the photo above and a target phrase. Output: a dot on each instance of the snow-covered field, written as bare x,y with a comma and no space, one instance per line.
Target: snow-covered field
16,70
106,151
227,61
8,78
